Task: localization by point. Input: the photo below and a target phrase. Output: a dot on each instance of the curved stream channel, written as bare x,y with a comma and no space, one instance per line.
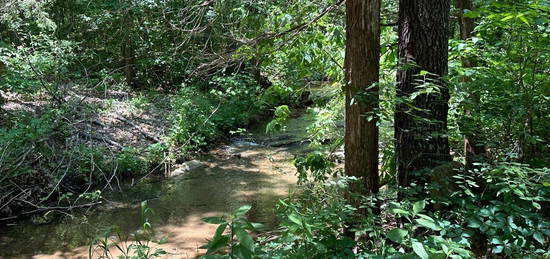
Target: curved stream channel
257,170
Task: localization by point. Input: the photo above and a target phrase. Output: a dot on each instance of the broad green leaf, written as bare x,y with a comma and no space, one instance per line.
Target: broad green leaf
245,239
539,237
419,206
428,224
419,250
217,244
397,234
474,223
220,229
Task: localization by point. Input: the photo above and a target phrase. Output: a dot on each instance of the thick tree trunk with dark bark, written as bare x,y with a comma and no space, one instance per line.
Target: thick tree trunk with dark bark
362,74
128,63
421,121
474,149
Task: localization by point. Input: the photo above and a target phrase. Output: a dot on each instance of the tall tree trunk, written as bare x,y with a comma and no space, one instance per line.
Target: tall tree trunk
128,63
127,51
362,67
474,149
421,121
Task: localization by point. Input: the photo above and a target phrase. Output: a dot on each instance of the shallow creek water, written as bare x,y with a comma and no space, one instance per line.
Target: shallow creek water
257,171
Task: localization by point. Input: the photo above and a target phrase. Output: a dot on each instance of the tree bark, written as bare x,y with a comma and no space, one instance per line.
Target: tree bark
127,50
474,149
421,121
362,67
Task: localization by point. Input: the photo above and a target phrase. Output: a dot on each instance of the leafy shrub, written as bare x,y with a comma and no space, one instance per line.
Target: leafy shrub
24,141
314,167
277,124
238,96
505,219
278,94
90,160
130,163
36,67
238,241
191,123
136,246
156,154
509,211
199,118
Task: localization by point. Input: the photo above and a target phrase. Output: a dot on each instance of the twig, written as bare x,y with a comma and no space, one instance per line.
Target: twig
61,207
61,179
108,141
147,135
8,218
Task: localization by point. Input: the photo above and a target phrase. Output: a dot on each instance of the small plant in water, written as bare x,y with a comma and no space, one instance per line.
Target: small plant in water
137,248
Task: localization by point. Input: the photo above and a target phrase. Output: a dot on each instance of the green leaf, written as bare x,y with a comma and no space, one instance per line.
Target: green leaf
159,252
162,240
419,206
428,223
217,244
474,223
507,18
397,234
213,220
419,250
221,228
523,19
245,239
399,211
242,210
294,218
471,14
539,237
256,226
242,252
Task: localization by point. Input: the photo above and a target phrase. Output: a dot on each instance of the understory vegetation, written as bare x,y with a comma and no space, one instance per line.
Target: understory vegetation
98,94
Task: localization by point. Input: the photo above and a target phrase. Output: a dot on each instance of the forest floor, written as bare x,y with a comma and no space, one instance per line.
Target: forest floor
111,118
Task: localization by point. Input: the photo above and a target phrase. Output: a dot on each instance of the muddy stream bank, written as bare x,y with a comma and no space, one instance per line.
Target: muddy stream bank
256,170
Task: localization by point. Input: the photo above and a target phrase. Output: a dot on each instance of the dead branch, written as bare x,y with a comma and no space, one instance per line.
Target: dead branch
138,128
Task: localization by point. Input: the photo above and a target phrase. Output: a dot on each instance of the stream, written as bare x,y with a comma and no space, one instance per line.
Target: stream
256,170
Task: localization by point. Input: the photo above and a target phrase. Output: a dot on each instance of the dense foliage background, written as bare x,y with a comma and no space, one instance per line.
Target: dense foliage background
203,69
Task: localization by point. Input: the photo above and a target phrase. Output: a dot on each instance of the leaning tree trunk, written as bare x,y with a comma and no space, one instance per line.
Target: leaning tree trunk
421,120
474,149
362,74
